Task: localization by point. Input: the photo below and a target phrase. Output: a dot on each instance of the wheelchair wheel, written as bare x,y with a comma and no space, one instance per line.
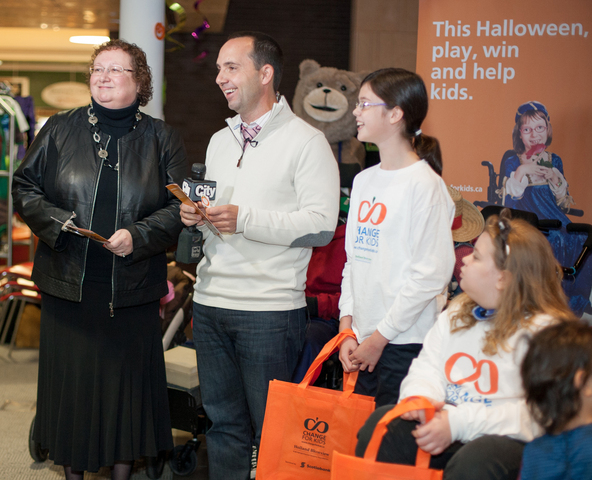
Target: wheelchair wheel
183,460
155,466
37,453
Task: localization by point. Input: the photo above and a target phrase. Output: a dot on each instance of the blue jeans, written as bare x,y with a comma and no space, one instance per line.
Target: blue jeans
319,332
238,354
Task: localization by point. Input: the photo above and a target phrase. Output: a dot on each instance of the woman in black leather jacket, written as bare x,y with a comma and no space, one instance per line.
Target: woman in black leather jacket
102,397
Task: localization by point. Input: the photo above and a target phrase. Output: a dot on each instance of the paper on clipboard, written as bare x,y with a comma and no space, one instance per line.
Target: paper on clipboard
180,194
83,232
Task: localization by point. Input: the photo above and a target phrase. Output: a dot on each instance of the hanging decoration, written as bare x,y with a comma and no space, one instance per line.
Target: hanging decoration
199,30
176,18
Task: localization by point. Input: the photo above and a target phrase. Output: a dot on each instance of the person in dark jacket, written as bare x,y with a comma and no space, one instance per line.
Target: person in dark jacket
102,397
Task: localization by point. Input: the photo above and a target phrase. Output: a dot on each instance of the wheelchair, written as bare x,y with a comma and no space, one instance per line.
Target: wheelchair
496,186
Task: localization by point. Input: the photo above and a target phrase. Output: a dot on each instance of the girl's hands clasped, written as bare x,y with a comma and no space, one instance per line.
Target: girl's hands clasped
366,356
348,346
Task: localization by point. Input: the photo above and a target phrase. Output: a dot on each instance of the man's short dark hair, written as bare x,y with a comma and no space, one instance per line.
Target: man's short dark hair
265,51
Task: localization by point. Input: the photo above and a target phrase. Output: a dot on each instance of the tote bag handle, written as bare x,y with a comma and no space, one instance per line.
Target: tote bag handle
349,379
406,405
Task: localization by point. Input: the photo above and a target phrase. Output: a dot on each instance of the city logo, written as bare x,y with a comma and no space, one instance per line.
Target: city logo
477,374
205,191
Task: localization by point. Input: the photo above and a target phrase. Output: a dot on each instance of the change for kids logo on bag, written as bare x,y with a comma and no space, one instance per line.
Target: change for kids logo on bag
304,425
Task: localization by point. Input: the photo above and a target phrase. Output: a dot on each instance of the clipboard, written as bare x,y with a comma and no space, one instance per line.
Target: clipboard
180,194
83,232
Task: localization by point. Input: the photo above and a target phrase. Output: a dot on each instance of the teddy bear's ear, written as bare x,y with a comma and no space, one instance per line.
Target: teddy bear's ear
307,67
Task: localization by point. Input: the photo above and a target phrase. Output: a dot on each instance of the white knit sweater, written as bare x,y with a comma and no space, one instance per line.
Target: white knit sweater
287,191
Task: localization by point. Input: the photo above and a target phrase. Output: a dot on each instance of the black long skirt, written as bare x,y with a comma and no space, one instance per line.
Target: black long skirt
102,394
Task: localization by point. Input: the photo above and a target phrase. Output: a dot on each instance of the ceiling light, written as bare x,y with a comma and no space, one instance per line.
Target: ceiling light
89,39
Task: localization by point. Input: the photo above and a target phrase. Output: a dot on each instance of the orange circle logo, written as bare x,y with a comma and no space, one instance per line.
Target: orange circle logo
159,31
363,217
476,375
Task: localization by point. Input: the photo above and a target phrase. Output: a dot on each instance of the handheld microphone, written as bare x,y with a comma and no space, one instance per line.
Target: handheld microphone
198,189
197,186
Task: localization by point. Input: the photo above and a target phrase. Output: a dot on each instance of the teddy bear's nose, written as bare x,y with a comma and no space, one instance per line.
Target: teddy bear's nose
327,90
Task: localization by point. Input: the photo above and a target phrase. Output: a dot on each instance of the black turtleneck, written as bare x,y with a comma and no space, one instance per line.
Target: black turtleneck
113,124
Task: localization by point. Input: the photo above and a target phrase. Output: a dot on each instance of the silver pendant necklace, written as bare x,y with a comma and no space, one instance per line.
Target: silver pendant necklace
96,131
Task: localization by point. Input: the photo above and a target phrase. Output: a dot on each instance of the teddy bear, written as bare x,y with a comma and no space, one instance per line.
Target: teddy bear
325,97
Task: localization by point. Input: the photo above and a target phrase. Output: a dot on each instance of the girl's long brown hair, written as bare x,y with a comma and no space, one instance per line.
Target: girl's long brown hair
404,89
533,287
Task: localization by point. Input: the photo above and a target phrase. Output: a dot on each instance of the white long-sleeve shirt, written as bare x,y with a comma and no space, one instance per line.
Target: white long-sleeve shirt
287,192
400,253
484,393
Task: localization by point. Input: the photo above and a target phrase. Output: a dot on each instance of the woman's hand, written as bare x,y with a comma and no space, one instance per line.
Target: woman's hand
120,243
434,437
190,216
366,356
419,415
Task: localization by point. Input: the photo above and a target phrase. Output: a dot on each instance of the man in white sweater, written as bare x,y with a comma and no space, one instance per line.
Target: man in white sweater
277,197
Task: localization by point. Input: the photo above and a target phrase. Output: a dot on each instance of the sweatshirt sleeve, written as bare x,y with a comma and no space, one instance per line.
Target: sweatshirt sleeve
471,420
316,183
426,375
431,269
346,301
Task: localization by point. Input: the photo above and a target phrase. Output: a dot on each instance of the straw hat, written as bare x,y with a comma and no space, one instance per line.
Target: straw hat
468,221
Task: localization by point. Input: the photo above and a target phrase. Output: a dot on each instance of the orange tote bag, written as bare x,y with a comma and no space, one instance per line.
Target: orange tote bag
305,425
346,467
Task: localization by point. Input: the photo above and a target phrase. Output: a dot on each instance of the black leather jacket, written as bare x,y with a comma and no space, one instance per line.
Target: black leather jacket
60,174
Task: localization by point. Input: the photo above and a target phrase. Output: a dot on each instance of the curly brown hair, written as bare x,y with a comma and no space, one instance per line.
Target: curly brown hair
549,369
141,74
534,285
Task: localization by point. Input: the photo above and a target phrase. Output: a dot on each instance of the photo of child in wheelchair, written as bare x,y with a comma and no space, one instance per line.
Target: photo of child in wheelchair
532,179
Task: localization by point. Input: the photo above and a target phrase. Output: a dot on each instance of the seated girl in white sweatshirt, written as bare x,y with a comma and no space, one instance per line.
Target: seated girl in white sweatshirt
469,367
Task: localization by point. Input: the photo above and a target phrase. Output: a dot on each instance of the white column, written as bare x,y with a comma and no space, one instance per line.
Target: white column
142,22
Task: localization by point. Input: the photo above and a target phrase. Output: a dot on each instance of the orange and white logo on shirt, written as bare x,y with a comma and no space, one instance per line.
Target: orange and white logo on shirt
482,373
374,213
